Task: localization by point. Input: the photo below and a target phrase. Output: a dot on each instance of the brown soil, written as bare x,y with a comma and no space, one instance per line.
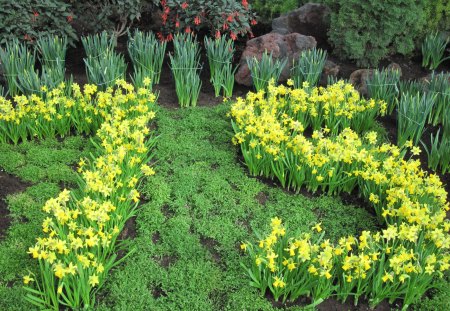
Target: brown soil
9,184
129,230
158,292
211,245
165,261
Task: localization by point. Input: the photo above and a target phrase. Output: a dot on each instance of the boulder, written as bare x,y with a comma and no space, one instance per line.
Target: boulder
312,19
360,77
281,46
330,69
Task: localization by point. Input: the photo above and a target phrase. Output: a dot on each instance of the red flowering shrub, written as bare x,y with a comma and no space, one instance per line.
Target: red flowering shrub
26,20
229,17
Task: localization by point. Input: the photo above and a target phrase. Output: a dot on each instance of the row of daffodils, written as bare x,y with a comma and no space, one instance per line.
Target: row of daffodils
321,138
80,246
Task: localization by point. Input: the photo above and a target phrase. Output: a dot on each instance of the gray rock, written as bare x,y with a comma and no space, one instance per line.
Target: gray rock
312,19
282,46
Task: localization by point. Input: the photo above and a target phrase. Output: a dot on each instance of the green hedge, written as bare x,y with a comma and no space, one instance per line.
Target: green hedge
368,31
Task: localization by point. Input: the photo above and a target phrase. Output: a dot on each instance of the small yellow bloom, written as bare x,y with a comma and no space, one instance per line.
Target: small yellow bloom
317,227
93,280
278,282
27,279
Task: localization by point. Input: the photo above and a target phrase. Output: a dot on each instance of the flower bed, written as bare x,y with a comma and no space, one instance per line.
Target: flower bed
80,244
341,154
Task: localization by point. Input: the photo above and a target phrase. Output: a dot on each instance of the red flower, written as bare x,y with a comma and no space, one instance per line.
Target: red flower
36,14
184,5
169,37
27,37
233,36
177,24
69,18
253,22
225,26
230,18
245,4
163,2
217,34
197,20
188,29
164,18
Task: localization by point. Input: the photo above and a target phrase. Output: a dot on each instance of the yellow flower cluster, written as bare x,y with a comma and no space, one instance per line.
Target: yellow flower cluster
78,249
59,110
273,134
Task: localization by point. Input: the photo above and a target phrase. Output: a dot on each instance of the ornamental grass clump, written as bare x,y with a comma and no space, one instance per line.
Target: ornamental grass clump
438,153
433,49
16,59
103,65
80,233
411,87
147,54
220,57
308,67
185,65
439,85
412,115
265,69
52,51
384,85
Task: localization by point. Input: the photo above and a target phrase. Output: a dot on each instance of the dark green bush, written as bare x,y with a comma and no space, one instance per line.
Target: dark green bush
437,15
28,19
110,15
367,31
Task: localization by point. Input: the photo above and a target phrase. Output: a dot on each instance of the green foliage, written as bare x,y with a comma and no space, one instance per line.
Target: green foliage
47,159
16,60
28,19
433,49
368,31
52,50
266,10
111,15
308,67
384,85
220,58
185,65
413,112
437,15
265,69
103,65
439,85
438,153
147,55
